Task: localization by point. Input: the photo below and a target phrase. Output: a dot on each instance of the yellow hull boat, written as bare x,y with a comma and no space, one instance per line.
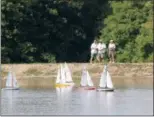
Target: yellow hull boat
62,85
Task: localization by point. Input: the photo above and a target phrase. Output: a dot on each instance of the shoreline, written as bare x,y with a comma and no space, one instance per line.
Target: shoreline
44,75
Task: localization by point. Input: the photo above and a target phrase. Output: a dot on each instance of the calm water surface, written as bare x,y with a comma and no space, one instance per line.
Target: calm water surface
70,101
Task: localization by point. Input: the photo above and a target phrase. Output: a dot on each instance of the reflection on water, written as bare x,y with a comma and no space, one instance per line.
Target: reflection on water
106,101
63,99
75,101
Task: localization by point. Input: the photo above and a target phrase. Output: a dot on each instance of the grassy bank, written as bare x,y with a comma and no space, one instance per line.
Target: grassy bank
44,75
117,69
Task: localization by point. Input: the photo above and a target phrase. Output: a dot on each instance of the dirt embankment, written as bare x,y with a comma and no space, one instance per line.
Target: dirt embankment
44,74
48,70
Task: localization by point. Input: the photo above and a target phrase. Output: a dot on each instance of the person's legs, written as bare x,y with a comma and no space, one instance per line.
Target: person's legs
95,57
98,57
102,57
113,55
110,56
91,58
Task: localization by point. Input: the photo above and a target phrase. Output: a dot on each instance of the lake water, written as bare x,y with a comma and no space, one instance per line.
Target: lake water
77,101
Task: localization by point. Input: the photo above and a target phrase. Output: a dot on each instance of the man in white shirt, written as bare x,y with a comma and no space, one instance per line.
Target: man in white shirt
93,50
111,51
101,51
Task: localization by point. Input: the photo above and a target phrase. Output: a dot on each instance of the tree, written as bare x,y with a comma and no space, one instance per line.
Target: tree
124,26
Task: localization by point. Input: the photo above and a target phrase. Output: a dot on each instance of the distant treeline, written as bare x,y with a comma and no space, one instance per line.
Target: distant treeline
63,30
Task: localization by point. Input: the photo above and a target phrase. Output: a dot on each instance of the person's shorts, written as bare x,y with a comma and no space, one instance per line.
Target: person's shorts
111,53
101,55
93,55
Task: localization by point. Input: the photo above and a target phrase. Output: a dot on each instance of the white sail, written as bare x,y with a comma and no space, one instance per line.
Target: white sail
58,75
84,78
109,81
90,83
103,78
15,84
68,74
9,80
105,81
102,82
63,78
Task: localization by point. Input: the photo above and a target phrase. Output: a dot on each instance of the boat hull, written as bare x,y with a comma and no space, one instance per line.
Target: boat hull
105,89
61,85
89,88
70,83
11,88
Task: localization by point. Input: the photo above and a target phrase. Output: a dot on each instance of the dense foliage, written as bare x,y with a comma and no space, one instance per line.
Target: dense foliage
62,30
131,27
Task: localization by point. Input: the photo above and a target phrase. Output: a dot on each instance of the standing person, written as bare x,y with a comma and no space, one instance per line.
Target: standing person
93,50
111,51
101,51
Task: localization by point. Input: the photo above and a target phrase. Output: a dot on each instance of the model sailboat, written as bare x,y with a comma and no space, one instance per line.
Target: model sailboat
105,81
61,80
86,80
64,77
11,82
68,75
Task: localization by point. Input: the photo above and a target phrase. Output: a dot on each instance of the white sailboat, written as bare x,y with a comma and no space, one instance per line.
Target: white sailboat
68,75
86,80
58,76
105,81
61,77
90,83
83,82
11,81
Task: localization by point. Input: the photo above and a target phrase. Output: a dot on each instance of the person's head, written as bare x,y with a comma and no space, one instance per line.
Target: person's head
95,41
100,41
111,41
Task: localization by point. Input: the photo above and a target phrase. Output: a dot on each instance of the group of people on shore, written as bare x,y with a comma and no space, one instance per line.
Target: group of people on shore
98,49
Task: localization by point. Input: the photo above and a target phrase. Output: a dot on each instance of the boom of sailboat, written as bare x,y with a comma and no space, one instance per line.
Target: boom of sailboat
64,79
